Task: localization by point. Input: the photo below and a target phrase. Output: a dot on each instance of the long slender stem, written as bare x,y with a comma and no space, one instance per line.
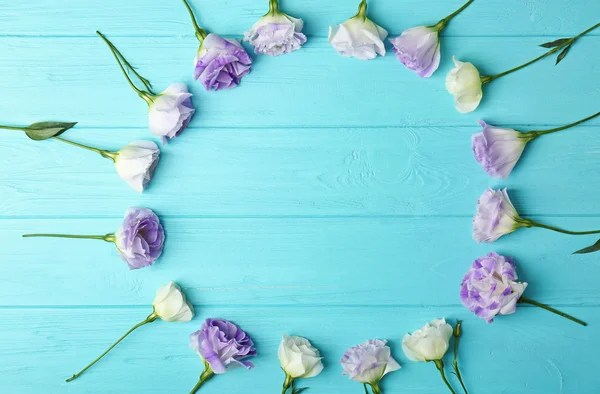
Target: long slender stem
441,25
141,93
524,300
12,128
146,82
204,377
107,237
200,32
542,132
440,366
531,223
152,317
457,334
101,152
366,389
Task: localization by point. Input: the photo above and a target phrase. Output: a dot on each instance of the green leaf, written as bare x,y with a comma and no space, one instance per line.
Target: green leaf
590,249
562,54
43,130
298,391
555,43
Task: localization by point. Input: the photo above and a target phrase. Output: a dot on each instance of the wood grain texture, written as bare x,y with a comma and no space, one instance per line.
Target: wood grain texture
157,356
313,87
296,172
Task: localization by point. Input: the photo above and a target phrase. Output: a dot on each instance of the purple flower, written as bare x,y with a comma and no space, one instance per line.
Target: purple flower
419,50
490,287
369,362
498,149
495,216
221,63
276,34
223,345
140,238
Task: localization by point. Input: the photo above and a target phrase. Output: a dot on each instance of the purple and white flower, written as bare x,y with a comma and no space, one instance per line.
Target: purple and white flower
136,162
140,239
464,82
418,49
490,288
221,63
495,216
170,111
369,362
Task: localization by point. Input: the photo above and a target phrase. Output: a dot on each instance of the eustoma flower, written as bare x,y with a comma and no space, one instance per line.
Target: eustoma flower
418,48
466,84
299,360
139,240
169,112
490,288
276,33
498,149
368,363
170,305
430,343
496,216
220,63
223,346
359,36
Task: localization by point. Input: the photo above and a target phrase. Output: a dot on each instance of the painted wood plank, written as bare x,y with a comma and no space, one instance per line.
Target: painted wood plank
78,80
536,351
295,172
169,18
310,261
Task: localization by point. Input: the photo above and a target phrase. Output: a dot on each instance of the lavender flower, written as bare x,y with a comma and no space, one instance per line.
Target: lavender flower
140,238
495,216
369,362
418,49
170,112
490,288
136,162
221,63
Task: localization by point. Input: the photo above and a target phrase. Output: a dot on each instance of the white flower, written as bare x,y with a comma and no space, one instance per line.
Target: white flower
171,305
358,37
464,82
369,362
276,34
135,163
170,111
430,343
298,358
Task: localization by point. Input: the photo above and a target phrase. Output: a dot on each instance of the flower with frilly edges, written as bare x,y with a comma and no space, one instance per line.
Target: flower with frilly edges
136,162
464,82
171,305
428,343
369,362
223,345
418,49
140,239
495,216
221,63
490,288
170,112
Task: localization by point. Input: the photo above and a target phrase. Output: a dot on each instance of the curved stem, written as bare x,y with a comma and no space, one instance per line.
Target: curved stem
542,132
146,82
13,128
524,300
152,317
117,55
107,237
441,25
200,32
103,153
362,10
204,377
366,390
531,223
289,381
457,333
440,366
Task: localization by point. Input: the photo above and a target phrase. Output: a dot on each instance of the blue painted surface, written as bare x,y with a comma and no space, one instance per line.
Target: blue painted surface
324,197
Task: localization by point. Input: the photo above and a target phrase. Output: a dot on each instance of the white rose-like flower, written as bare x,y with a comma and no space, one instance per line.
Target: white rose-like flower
358,37
136,162
464,82
429,343
298,358
170,111
171,305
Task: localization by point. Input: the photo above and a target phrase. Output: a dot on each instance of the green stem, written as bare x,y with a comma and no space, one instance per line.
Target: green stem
107,237
104,153
375,388
366,390
289,381
146,82
457,334
273,7
204,377
440,366
524,300
143,94
487,79
200,32
542,132
13,128
152,317
441,25
362,10
531,223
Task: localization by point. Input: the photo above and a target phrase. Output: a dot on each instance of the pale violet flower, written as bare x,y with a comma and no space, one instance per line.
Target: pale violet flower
171,305
464,82
136,162
496,216
299,359
418,49
428,343
369,362
276,33
170,111
358,37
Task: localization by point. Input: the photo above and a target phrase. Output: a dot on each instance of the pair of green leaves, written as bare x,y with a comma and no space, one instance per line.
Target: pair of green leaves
559,43
590,249
43,130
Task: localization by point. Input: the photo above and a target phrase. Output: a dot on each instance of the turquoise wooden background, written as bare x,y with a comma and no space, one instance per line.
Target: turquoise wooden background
325,197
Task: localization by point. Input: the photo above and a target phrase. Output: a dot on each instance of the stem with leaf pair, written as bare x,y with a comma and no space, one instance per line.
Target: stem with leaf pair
200,32
152,317
524,300
204,377
441,25
563,43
